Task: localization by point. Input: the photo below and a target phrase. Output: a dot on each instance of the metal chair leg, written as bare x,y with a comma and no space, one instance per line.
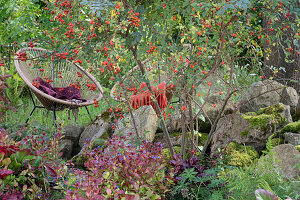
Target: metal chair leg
88,112
34,106
54,114
30,114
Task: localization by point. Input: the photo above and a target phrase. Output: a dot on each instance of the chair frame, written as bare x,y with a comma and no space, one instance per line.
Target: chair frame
49,102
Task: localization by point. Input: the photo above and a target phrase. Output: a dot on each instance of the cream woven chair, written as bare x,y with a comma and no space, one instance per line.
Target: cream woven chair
41,63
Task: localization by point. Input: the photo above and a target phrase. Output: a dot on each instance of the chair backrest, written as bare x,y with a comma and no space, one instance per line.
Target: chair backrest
58,72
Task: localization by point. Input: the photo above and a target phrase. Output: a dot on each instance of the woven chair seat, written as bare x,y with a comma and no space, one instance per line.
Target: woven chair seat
60,74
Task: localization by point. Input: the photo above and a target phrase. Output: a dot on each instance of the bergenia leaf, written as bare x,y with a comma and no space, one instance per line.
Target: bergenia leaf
262,194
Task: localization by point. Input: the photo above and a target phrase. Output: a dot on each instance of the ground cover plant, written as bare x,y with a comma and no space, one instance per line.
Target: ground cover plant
143,53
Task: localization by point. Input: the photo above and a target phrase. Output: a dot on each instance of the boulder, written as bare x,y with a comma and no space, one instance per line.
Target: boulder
67,148
283,110
292,138
250,129
73,132
146,121
287,157
261,94
293,127
209,115
102,125
176,139
290,97
240,155
298,108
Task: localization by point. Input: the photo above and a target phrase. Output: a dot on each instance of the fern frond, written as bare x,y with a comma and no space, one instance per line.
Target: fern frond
269,144
263,184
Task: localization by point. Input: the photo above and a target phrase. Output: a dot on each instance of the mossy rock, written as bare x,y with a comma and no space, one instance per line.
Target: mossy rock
278,108
79,161
295,117
100,141
240,155
106,116
245,133
298,147
258,120
276,141
293,127
250,113
263,116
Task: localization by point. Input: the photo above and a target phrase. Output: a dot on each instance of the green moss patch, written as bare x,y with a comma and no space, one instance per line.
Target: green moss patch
245,133
100,141
276,141
278,108
105,116
293,127
240,155
265,115
298,147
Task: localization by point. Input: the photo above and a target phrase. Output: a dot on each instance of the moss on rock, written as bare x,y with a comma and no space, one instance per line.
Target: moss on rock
276,141
240,155
245,133
106,116
264,115
293,127
100,141
298,147
278,108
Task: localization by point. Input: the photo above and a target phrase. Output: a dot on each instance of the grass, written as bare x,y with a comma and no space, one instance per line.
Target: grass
44,118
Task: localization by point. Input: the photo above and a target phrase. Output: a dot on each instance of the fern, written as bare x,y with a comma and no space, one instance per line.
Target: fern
242,182
269,145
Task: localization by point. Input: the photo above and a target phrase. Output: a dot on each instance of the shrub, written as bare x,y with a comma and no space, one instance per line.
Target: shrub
195,180
122,169
28,167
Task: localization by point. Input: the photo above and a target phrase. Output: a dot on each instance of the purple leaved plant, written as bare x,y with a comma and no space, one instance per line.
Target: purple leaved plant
123,168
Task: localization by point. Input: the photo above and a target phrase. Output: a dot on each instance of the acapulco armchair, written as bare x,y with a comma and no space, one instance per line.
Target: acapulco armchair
34,64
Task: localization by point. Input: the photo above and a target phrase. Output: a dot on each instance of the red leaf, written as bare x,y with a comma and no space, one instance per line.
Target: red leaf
50,170
130,197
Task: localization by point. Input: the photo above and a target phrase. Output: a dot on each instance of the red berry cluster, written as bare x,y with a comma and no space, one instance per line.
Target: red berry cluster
96,103
48,80
91,86
62,55
133,18
35,83
22,56
1,63
152,49
79,74
78,61
75,85
31,44
70,31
